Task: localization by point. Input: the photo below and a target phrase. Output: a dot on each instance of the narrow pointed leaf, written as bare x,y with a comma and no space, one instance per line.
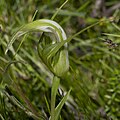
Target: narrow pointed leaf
60,105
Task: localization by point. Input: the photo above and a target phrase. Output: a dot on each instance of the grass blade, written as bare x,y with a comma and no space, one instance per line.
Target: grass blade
60,105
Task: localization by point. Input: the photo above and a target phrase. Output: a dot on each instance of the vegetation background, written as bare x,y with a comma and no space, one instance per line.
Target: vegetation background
94,56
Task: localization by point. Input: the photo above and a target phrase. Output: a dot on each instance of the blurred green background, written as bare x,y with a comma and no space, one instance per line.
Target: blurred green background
94,73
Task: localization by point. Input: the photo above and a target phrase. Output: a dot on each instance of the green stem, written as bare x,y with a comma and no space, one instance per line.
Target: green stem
55,86
59,9
25,36
83,30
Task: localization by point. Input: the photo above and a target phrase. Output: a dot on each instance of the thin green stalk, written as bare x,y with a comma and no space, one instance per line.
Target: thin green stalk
78,33
113,35
19,46
48,106
34,15
71,37
55,85
117,27
59,9
25,36
1,117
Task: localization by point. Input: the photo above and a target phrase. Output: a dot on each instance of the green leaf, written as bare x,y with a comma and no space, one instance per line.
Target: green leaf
55,86
60,105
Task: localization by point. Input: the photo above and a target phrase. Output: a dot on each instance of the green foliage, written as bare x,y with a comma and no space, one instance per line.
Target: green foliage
113,96
32,61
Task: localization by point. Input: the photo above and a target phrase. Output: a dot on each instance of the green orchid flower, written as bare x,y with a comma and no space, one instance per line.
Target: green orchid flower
52,47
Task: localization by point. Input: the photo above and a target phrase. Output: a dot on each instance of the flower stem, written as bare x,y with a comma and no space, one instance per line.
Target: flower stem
55,86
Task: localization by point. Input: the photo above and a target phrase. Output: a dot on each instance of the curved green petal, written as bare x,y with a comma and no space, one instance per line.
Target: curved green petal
50,52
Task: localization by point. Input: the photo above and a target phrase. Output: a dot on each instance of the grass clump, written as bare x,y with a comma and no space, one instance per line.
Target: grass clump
52,73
